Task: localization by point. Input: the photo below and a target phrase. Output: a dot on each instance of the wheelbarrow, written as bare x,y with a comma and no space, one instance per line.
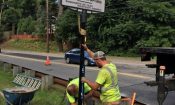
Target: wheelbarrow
18,95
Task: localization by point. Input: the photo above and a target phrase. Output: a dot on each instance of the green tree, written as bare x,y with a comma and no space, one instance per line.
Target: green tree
130,24
67,29
10,18
26,25
125,26
160,16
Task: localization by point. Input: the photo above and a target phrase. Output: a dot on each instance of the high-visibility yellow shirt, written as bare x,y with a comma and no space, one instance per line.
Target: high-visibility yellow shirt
109,93
76,82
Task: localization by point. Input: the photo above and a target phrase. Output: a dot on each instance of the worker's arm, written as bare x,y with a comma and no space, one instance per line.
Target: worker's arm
91,54
71,99
88,95
93,85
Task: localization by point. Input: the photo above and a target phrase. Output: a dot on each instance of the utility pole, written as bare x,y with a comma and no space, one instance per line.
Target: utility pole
2,6
47,25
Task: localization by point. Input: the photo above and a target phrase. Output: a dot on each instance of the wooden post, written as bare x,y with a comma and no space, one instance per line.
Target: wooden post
1,64
7,66
47,81
16,70
30,73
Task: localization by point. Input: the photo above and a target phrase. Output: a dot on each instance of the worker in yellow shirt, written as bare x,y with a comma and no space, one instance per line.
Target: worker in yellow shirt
107,79
72,92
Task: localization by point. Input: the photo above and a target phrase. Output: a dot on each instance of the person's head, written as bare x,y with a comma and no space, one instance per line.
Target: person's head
72,90
99,58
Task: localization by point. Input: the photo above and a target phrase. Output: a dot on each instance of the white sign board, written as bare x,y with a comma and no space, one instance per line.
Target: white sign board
91,5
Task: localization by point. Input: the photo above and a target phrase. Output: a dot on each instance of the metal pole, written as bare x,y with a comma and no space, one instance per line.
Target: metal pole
47,25
82,66
161,92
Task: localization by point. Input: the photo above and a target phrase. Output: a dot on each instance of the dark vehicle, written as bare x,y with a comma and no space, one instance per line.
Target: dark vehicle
164,66
73,56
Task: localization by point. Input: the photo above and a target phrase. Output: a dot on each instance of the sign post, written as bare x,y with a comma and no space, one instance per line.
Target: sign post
82,66
84,6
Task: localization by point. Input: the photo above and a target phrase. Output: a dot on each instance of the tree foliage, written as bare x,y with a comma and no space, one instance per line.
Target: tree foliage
26,25
27,15
130,24
125,26
67,28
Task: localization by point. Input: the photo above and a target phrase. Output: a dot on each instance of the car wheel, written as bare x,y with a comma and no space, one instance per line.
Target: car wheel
67,60
86,63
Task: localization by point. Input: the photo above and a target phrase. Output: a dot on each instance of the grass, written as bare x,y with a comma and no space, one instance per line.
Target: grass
5,81
53,96
29,45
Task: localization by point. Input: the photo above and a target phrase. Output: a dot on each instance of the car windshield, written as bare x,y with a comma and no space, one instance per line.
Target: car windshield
77,51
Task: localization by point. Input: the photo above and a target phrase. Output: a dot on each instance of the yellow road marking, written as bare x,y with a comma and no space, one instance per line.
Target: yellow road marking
135,75
33,59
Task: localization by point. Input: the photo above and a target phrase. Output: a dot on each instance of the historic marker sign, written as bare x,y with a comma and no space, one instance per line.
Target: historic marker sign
91,5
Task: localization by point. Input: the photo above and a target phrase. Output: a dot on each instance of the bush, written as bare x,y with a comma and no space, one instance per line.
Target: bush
26,25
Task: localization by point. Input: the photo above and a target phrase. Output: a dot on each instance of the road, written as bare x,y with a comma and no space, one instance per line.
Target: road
132,74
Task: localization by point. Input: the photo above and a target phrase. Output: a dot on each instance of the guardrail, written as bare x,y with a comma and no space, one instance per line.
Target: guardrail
47,80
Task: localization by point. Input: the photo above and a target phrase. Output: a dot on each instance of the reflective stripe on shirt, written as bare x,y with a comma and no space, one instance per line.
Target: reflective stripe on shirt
113,85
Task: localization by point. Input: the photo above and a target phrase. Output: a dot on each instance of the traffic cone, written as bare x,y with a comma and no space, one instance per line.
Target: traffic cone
47,62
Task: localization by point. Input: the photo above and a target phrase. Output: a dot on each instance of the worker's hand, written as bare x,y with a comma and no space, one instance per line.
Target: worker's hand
85,46
83,79
89,95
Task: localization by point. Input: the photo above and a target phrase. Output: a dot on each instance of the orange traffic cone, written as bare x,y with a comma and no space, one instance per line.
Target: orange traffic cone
47,62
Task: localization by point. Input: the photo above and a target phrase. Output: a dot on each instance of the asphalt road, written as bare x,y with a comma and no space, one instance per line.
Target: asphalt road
131,75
